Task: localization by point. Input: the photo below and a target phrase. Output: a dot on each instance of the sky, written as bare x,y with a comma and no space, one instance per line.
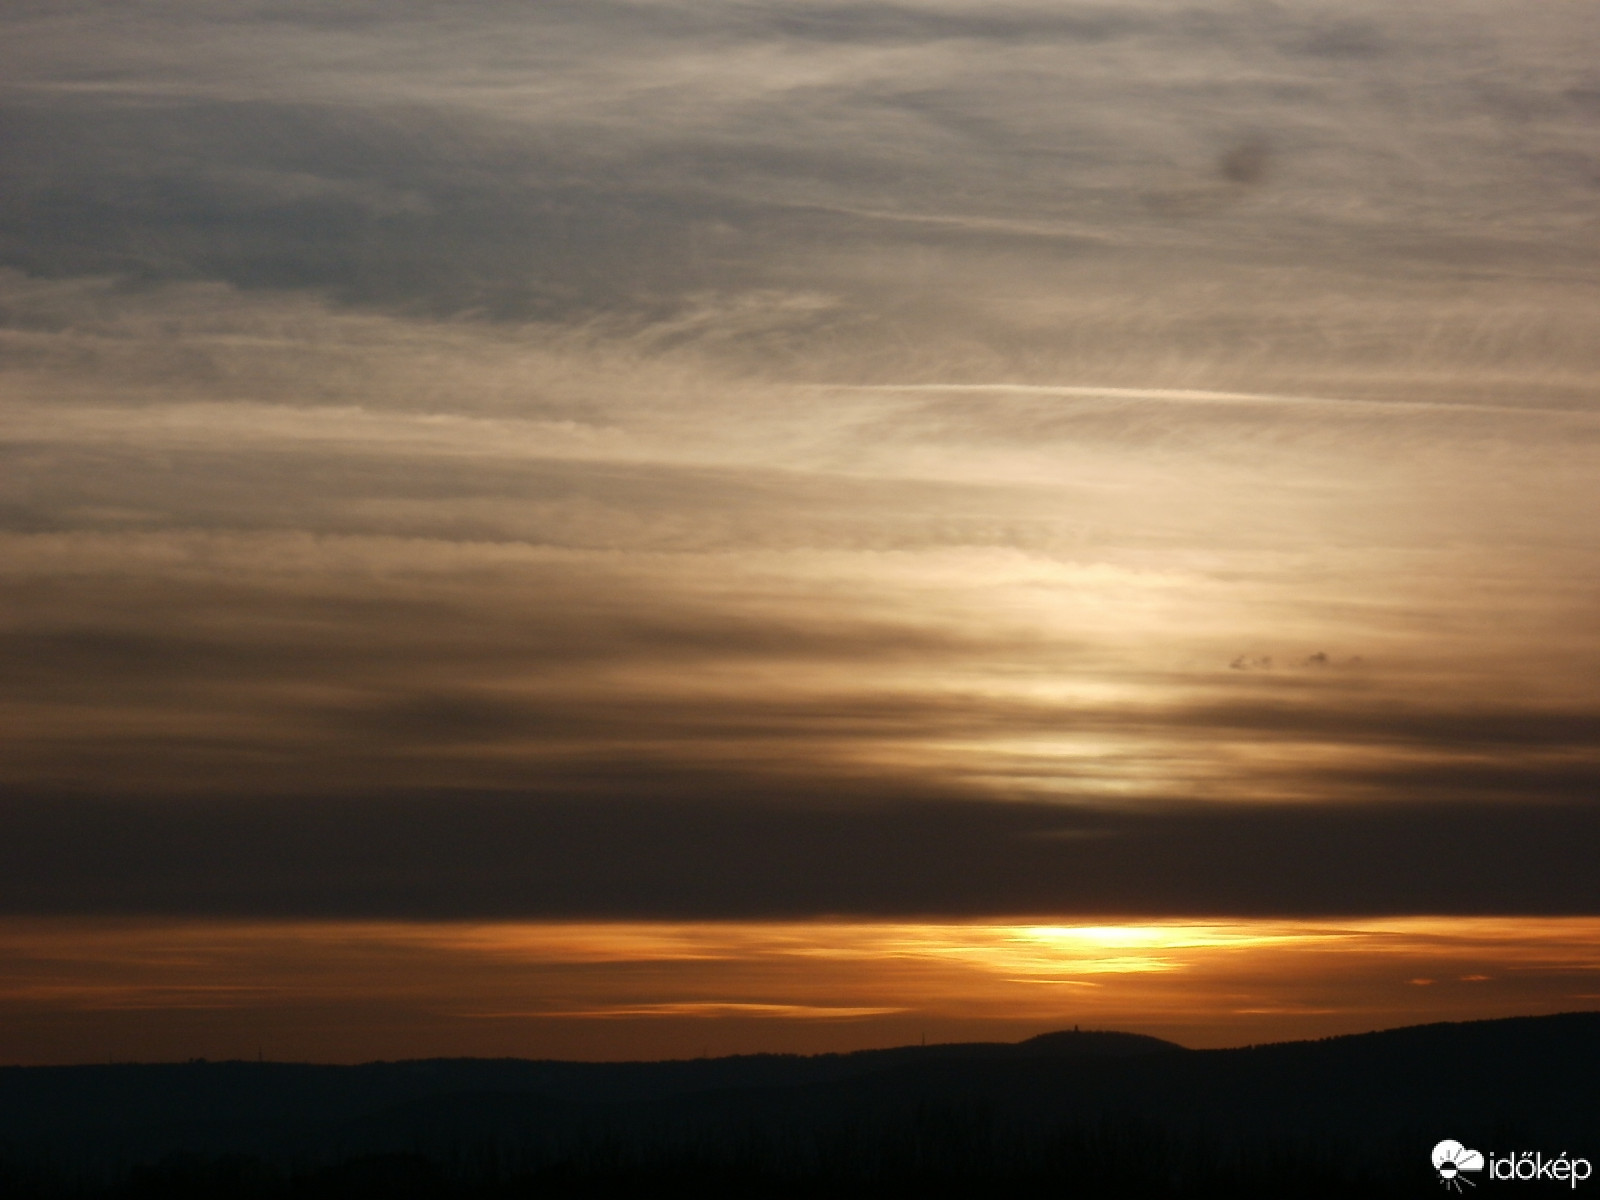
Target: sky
638,529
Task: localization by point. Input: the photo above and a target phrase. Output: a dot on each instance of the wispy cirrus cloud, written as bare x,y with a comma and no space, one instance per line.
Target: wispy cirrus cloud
807,425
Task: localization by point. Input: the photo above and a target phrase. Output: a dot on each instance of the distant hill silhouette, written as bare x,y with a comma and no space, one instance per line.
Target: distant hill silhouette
1072,1113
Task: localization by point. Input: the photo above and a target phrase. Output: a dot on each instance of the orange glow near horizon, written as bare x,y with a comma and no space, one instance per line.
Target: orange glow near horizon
81,990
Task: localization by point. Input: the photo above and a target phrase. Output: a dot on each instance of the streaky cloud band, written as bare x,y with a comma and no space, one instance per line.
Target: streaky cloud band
1202,396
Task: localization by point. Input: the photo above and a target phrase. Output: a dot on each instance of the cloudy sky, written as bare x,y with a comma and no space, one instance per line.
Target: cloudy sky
632,528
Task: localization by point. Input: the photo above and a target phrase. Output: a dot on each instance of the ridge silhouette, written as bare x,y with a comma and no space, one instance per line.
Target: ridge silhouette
1360,1110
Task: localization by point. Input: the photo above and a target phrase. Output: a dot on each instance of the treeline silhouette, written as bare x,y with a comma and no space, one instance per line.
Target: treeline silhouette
1066,1115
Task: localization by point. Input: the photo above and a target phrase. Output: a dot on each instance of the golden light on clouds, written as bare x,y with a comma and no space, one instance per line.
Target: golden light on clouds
493,553
346,991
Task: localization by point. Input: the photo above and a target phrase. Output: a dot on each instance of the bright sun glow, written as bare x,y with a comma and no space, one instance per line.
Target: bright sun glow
554,987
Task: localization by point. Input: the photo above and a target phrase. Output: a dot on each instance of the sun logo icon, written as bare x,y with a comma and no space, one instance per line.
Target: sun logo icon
1450,1158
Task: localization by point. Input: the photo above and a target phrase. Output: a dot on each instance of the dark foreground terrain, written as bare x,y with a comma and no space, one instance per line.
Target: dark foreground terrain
1064,1115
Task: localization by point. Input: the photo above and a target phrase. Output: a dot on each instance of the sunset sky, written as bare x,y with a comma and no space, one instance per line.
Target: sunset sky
640,528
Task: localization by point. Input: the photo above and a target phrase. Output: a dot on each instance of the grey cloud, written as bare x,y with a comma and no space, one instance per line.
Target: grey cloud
552,502
600,190
372,210
94,638
861,23
1356,716
1340,40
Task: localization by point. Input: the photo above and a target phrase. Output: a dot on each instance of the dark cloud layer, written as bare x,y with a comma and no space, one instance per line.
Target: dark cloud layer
761,856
